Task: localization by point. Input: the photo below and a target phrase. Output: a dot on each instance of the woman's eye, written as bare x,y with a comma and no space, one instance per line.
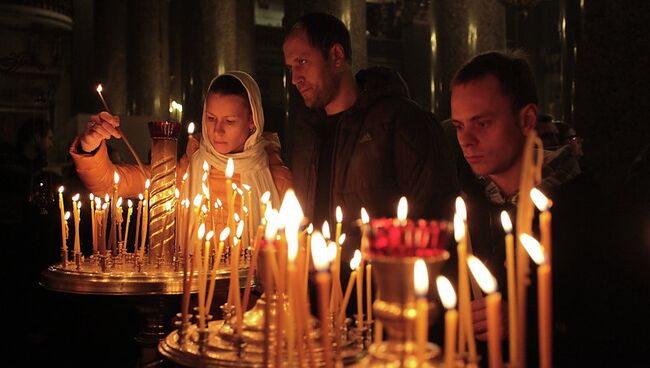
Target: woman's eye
302,61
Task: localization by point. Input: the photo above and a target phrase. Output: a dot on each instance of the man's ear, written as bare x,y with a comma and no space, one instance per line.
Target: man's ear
528,118
337,54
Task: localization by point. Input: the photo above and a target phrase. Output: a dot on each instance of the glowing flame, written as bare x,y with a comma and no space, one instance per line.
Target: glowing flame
356,260
92,197
75,197
140,196
319,252
459,227
225,233
265,197
245,209
79,205
204,177
210,235
67,215
339,214
310,228
446,292
129,203
185,176
205,190
485,280
168,206
236,217
402,209
230,168
240,229
100,88
61,189
342,239
365,219
246,187
420,278
119,202
461,208
104,206
234,186
240,192
505,222
147,183
541,201
98,202
177,193
292,248
197,200
533,248
326,230
201,230
206,166
291,212
204,209
190,128
116,177
272,225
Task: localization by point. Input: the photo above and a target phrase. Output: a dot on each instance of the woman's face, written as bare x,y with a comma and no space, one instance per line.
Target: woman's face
229,121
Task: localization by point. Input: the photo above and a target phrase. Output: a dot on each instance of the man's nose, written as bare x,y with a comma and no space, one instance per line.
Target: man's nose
296,78
466,138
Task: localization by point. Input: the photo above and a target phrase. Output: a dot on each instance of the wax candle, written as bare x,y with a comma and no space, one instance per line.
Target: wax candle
66,230
369,293
138,218
75,215
128,222
305,280
544,299
448,298
225,233
64,246
198,266
354,265
230,169
543,204
93,227
359,278
493,305
421,285
145,217
120,220
512,290
321,264
466,331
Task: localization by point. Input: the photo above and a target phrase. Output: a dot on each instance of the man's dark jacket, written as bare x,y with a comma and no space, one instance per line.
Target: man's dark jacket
386,147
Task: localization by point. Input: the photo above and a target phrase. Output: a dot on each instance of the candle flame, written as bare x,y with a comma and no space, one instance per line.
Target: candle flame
61,189
319,252
218,203
168,206
79,205
116,177
201,230
246,187
129,203
230,168
107,198
140,196
541,201
75,197
240,229
225,233
197,200
326,229
461,208
236,217
292,247
402,209
210,235
533,248
272,224
485,280
204,177
233,186
92,197
291,212
339,214
147,183
67,215
356,260
99,88
177,193
365,219
119,202
459,227
420,278
190,128
245,209
342,239
240,192
204,209
505,222
265,197
185,176
331,252
104,206
310,228
446,292
206,166
98,202
205,189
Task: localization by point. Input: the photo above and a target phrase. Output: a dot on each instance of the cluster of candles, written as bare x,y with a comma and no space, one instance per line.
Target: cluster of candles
461,321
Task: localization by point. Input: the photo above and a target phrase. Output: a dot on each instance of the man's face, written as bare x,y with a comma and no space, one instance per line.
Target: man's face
313,75
488,131
45,143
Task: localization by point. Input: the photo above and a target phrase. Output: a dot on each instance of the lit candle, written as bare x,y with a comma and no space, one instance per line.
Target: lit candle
339,222
321,264
197,265
354,265
120,220
421,284
230,170
138,218
234,275
253,263
75,215
305,282
448,298
466,331
113,237
402,211
225,233
97,216
365,224
249,204
543,204
544,299
102,234
93,226
64,246
292,215
128,221
359,278
66,229
369,293
512,289
493,305
100,88
145,217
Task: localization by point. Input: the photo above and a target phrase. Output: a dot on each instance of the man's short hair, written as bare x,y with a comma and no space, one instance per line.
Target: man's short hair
512,70
323,31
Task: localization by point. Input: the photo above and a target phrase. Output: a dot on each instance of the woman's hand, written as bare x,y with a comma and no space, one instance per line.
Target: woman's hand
100,127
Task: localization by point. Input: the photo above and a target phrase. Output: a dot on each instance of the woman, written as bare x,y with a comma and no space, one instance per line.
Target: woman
233,125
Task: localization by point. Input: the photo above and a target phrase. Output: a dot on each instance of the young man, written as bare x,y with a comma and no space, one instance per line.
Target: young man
363,142
494,109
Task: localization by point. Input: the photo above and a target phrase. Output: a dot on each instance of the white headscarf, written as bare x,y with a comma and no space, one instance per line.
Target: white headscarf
252,163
